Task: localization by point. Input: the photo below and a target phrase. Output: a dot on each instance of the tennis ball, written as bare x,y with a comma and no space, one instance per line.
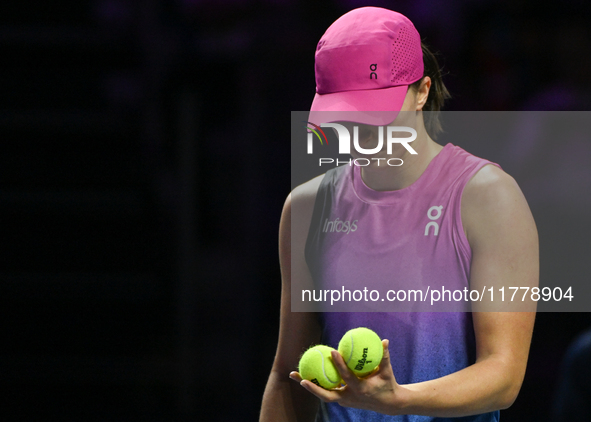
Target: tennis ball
316,365
362,350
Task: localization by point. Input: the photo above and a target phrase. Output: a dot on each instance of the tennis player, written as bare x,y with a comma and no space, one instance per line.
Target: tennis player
442,218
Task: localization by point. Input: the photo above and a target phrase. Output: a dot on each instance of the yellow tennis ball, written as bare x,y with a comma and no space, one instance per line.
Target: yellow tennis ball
316,365
362,350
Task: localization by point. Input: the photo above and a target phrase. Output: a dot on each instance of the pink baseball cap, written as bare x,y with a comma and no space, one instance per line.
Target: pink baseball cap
365,62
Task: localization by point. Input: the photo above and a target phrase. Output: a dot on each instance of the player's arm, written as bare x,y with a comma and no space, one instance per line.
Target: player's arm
284,400
504,243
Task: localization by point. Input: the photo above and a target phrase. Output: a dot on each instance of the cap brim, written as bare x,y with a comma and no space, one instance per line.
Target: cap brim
376,107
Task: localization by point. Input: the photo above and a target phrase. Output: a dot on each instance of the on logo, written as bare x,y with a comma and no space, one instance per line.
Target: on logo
373,67
432,223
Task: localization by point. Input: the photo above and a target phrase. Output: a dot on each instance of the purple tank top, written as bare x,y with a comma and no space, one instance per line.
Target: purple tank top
408,239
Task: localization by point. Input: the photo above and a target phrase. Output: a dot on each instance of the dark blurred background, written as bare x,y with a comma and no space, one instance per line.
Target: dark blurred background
144,163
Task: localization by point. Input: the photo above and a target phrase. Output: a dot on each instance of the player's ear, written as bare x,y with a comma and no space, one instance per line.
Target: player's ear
423,92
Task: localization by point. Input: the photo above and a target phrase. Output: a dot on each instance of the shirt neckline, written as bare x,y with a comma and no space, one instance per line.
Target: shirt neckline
369,195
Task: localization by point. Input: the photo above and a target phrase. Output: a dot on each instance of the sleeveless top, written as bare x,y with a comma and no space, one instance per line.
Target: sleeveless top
408,239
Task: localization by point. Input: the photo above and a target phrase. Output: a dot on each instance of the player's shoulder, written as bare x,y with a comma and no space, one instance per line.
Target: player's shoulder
490,185
304,195
298,211
299,204
491,199
309,188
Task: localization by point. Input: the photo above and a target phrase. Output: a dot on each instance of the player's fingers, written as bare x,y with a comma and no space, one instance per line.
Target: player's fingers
347,375
294,375
324,395
386,355
385,365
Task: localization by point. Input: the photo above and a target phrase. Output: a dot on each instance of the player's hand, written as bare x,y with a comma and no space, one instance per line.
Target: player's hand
376,391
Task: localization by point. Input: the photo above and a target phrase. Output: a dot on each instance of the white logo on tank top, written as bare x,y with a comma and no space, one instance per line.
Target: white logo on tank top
437,210
339,226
